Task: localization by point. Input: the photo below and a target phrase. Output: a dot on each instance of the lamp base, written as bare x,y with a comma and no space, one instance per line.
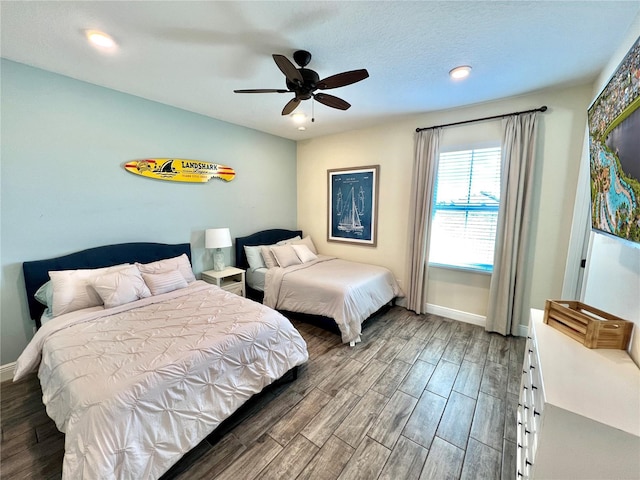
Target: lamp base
218,260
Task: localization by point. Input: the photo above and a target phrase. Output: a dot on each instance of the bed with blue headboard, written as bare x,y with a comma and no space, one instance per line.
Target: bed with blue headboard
314,284
264,237
136,385
36,273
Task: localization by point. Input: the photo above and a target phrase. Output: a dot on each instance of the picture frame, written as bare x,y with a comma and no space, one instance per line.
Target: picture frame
353,205
613,120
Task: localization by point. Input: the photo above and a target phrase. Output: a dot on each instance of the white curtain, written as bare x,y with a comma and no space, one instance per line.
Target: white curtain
425,168
507,282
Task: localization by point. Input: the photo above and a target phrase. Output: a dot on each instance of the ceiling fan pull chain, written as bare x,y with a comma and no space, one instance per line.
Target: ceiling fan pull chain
313,115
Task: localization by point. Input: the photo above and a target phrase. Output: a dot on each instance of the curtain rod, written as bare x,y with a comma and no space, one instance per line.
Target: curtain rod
541,109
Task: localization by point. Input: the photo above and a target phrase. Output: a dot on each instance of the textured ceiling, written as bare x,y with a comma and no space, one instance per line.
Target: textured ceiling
193,55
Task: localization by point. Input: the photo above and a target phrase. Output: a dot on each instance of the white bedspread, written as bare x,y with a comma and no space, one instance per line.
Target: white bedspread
348,292
136,386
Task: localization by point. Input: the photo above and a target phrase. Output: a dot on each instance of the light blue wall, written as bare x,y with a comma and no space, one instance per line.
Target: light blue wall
63,188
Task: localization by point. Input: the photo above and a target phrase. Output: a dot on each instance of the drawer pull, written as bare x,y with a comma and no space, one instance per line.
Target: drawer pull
533,387
532,366
519,474
535,412
526,431
527,462
530,350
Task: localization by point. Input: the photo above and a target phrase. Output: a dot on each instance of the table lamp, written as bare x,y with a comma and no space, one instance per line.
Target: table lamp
217,238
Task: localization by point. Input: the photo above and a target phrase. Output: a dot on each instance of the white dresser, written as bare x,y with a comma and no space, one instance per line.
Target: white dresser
579,409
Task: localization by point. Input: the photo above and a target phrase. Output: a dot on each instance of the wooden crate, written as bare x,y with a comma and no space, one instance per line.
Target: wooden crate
588,325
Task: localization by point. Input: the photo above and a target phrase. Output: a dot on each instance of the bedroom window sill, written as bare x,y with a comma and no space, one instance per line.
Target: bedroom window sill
481,271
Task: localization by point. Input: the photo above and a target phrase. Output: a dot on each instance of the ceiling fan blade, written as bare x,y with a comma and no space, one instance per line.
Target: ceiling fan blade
291,106
342,79
331,101
262,90
289,69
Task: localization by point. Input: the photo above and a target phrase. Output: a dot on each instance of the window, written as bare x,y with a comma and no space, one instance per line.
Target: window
465,212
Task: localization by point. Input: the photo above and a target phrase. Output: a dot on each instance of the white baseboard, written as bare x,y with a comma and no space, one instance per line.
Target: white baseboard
467,317
457,315
6,371
523,331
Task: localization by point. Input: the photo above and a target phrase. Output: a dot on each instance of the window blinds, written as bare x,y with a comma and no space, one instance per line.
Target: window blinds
465,214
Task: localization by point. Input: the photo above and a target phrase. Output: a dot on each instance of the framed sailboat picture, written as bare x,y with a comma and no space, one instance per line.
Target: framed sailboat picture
353,205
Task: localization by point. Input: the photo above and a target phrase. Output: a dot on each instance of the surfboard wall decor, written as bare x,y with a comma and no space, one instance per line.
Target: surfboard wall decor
180,170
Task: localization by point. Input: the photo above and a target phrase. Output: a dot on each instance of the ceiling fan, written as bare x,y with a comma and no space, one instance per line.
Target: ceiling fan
304,82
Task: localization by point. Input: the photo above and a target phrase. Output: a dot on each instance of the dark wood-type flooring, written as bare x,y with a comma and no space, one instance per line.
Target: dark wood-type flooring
422,397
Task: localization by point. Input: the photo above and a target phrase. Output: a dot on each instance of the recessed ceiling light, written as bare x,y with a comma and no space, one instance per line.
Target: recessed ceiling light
100,39
298,117
302,129
460,72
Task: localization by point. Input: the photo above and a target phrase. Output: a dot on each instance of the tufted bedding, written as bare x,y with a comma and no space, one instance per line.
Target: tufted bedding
348,292
136,386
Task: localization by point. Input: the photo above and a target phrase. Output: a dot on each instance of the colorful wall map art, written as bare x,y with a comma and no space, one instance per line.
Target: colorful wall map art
614,151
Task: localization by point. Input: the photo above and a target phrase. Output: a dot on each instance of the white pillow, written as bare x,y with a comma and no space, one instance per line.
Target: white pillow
304,254
120,287
44,294
72,289
180,263
285,255
254,257
268,257
288,241
164,282
308,242
45,317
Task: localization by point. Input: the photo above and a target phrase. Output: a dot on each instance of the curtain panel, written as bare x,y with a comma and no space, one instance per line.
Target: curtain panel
425,168
506,291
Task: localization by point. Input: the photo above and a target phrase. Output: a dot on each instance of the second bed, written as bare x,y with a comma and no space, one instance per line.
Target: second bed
347,292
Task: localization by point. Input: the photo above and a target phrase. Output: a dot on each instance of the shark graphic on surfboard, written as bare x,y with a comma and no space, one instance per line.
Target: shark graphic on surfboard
180,170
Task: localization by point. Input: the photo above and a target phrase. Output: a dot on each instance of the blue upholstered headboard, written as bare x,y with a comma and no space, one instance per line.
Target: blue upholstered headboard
265,237
36,273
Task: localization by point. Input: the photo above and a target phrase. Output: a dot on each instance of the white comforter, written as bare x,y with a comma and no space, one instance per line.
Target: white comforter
136,386
348,292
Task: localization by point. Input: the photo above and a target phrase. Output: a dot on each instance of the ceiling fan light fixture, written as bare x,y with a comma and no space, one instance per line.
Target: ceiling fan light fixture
298,117
303,82
460,72
100,39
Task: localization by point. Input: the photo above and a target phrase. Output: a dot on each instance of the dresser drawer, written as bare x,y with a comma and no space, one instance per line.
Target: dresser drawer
529,409
522,449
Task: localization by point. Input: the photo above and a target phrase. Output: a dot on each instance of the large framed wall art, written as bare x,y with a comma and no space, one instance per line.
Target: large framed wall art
614,152
353,205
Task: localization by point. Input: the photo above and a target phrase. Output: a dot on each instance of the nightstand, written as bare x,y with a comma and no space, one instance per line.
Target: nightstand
230,279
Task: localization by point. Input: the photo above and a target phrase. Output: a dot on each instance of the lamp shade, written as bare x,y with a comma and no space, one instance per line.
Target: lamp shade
217,238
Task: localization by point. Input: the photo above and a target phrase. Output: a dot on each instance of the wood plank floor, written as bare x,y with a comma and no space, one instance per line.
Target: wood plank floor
422,397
